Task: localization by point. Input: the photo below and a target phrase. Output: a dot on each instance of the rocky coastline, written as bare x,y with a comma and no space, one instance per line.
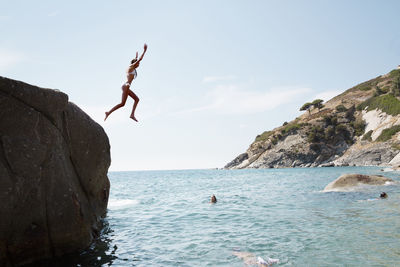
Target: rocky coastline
359,127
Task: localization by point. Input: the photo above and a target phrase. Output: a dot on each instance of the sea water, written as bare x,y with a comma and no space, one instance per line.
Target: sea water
164,218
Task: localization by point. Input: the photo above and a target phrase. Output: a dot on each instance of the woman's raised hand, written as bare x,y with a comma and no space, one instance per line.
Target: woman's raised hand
145,47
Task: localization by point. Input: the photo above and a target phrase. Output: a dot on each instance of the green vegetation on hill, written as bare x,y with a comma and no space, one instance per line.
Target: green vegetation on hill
288,128
359,127
291,128
394,74
388,133
366,86
379,91
367,136
316,134
341,108
264,136
387,103
336,127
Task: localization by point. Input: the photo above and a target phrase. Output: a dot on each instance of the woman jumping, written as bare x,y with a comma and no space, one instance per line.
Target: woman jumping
126,91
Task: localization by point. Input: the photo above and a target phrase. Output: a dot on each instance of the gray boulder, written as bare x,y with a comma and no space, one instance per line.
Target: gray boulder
347,181
374,154
53,174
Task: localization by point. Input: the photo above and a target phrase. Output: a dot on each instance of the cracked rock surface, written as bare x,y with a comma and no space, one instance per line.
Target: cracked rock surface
53,174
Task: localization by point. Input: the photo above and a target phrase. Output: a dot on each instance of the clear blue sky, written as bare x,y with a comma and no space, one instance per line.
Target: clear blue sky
217,73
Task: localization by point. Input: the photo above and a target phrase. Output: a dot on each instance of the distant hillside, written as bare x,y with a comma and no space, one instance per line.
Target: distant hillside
358,127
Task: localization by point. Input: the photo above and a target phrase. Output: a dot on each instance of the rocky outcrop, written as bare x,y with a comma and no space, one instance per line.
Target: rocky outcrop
347,181
360,127
377,121
238,160
53,174
367,154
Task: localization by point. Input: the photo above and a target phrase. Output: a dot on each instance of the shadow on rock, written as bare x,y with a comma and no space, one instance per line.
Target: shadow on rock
100,253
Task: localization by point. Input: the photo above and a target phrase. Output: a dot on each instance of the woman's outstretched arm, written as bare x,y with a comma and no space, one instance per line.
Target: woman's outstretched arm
145,49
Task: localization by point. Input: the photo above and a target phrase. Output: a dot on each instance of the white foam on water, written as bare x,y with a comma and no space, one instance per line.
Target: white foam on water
267,262
358,188
355,188
368,200
121,203
251,259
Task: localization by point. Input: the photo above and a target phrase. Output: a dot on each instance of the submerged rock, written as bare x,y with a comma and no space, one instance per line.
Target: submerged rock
53,174
347,181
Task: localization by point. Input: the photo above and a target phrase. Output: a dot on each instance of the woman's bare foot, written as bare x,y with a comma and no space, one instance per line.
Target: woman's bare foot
133,118
107,114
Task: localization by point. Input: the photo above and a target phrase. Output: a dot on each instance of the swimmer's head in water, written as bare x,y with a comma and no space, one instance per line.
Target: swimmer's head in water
383,195
213,199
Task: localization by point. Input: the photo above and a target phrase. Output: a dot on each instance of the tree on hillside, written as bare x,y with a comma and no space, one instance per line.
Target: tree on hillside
306,106
317,103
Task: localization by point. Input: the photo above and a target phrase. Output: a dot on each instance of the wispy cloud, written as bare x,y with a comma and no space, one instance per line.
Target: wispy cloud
327,95
211,79
231,99
9,58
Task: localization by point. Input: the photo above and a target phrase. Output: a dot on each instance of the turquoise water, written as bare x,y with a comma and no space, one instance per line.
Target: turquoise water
164,218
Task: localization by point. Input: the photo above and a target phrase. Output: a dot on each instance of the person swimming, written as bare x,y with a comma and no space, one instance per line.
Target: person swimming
383,195
213,199
249,258
131,74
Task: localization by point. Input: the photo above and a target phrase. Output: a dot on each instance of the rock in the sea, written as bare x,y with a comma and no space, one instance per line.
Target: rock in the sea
53,174
346,181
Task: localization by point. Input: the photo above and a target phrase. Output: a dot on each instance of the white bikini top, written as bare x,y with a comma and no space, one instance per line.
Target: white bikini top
133,72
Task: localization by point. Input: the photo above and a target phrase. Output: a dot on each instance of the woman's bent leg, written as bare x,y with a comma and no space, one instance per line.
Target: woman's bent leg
125,89
136,101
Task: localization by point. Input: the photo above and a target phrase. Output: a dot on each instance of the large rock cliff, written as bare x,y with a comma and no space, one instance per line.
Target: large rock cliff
53,174
358,127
